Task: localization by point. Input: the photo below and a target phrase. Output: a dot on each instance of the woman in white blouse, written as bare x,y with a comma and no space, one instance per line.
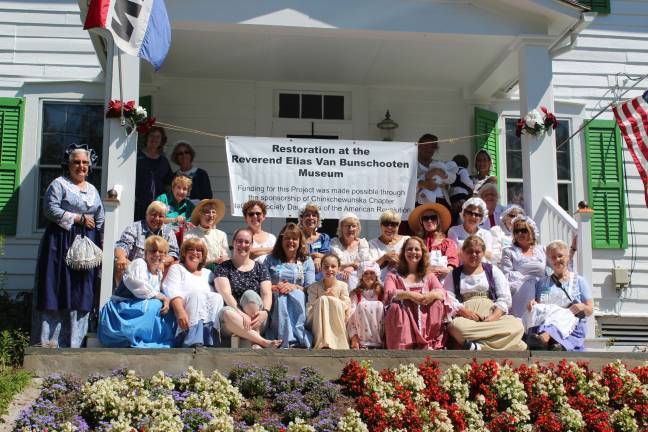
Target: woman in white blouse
385,250
137,314
473,214
480,301
205,217
349,248
254,213
196,305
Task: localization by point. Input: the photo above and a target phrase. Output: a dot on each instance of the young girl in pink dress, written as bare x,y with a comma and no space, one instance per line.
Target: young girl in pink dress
365,326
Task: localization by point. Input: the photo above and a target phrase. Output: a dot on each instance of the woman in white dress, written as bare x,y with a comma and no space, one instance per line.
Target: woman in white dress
523,264
196,305
503,232
254,213
385,250
205,217
350,248
473,214
365,325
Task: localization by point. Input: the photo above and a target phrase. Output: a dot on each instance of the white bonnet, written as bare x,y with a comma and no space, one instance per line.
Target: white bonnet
475,202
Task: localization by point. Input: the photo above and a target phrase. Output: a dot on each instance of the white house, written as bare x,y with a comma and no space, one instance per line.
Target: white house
273,68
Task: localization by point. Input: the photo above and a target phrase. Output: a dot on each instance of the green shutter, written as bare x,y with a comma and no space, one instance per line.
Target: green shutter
606,185
486,123
600,6
12,111
147,103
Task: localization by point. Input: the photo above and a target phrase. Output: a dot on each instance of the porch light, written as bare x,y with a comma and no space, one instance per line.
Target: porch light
387,127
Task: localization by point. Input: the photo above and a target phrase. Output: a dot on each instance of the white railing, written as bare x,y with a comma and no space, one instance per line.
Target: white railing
555,223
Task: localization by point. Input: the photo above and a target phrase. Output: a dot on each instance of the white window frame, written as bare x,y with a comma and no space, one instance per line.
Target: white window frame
35,94
573,112
346,95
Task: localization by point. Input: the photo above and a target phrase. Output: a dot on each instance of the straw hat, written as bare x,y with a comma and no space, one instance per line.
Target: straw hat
218,204
445,219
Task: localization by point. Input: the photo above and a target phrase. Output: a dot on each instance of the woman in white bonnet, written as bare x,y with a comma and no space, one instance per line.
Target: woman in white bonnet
473,213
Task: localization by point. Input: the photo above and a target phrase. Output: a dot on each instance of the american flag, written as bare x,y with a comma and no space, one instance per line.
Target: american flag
632,118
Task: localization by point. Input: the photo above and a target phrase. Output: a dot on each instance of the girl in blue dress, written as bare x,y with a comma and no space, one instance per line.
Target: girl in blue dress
64,296
137,315
291,272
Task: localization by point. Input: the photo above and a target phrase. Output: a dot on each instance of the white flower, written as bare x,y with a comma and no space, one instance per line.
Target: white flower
351,422
140,111
532,118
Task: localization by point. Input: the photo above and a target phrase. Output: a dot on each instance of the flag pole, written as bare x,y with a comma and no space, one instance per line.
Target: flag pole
615,100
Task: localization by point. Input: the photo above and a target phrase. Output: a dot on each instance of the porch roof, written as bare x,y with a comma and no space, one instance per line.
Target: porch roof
465,45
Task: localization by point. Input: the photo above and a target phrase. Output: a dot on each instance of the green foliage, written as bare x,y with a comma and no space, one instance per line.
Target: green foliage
12,348
11,383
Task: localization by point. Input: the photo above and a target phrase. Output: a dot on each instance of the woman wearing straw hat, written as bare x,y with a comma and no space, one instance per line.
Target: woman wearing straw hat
430,222
205,217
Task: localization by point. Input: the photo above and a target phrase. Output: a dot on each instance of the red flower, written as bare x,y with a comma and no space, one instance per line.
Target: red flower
520,127
114,109
129,106
353,378
146,125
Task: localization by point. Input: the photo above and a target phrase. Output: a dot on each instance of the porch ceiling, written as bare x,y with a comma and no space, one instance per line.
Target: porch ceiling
270,53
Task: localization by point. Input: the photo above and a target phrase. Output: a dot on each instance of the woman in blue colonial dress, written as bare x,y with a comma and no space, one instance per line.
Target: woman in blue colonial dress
563,301
195,304
65,297
291,272
137,313
317,244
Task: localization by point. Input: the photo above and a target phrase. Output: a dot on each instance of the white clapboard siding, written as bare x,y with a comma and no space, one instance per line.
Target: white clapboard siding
39,41
613,45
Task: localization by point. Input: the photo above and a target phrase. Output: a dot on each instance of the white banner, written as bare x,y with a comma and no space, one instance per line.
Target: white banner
363,177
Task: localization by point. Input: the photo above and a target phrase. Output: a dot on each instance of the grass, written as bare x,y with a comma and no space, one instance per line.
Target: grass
12,382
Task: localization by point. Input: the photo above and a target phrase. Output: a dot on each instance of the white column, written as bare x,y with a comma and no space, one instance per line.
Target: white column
119,161
538,153
584,257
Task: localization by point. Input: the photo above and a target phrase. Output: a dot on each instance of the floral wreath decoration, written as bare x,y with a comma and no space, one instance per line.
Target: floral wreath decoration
535,123
134,117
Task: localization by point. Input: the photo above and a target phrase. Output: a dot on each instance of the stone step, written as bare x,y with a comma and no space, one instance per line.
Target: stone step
83,362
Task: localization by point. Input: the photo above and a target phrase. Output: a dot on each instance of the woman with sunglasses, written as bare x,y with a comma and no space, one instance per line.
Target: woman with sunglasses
254,213
562,303
291,272
502,233
385,250
247,292
481,300
318,244
137,314
183,155
416,302
523,264
473,213
430,222
195,304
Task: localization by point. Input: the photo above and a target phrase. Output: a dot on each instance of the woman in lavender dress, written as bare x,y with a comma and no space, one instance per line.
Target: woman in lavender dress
65,297
523,264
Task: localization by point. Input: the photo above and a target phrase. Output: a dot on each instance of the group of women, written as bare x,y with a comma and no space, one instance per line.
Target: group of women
473,286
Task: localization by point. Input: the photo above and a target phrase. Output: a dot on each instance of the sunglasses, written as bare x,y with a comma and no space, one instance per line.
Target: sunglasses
257,214
473,214
180,153
429,218
390,224
520,231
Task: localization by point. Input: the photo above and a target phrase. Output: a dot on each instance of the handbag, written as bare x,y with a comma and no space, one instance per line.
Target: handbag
83,254
557,282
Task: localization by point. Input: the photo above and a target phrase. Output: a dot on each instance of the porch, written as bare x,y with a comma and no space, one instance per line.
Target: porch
429,63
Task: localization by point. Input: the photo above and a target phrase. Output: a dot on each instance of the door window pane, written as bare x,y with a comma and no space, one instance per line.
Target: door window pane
311,106
563,160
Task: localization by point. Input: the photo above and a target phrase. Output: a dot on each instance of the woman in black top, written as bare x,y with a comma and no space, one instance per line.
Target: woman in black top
247,292
183,155
153,173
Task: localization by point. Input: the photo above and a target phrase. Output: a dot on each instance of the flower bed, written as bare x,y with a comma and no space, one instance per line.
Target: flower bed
475,397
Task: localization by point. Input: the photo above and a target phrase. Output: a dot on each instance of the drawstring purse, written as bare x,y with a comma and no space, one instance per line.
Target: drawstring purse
83,254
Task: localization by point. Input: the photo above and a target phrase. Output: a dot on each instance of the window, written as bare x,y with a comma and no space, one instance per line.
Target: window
312,106
65,124
600,6
514,182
